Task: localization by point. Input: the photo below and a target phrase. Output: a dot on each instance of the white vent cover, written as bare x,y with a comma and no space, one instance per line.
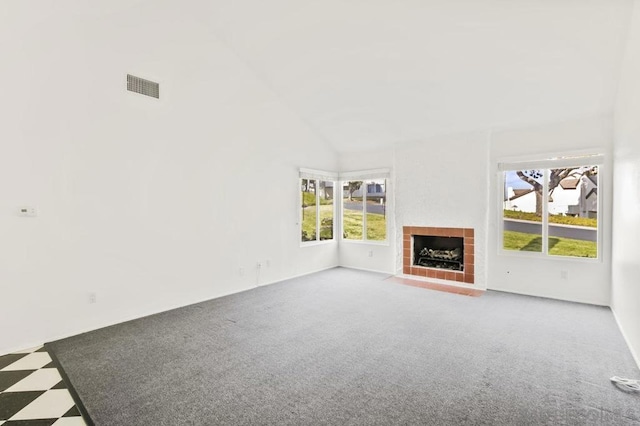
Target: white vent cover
142,86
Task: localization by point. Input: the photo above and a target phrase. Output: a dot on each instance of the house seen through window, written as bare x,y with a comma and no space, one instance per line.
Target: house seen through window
364,215
552,211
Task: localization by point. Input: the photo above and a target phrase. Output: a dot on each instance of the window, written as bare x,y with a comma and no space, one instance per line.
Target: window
364,204
552,210
317,207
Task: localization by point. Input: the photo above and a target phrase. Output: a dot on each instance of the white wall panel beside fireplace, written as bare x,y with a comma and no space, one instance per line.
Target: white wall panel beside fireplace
442,182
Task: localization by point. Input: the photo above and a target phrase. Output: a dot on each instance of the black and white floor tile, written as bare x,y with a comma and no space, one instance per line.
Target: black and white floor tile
33,393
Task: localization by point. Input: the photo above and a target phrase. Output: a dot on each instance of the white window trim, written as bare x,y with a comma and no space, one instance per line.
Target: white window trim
364,175
567,160
317,175
573,159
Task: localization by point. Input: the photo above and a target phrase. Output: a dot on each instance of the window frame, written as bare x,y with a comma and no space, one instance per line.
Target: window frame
317,176
545,165
364,176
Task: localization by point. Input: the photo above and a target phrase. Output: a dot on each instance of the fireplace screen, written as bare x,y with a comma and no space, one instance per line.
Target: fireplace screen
438,252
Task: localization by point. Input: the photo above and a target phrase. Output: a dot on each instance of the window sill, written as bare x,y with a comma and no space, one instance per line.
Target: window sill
317,243
366,242
547,257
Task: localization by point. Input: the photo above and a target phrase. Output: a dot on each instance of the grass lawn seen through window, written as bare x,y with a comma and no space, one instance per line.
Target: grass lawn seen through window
352,225
521,241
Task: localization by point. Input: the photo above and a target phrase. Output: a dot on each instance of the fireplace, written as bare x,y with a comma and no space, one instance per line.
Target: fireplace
438,252
442,253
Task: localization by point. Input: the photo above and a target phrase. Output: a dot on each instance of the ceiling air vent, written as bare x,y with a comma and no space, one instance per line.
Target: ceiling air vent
142,86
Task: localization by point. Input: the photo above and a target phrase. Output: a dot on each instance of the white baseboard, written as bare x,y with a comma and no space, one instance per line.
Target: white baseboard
315,271
634,354
33,344
546,296
78,331
366,269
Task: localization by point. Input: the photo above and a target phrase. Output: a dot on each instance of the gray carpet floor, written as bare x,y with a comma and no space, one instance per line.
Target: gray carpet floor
346,347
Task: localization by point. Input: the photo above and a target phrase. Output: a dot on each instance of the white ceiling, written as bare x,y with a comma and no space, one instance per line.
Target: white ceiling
368,73
365,74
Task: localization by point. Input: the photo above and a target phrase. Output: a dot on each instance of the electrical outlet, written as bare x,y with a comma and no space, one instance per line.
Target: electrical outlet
27,211
93,297
370,253
564,274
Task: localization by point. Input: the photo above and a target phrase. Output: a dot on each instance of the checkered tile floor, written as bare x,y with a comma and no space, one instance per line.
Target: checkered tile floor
32,392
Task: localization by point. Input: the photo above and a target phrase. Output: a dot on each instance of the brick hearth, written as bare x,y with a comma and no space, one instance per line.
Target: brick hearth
466,276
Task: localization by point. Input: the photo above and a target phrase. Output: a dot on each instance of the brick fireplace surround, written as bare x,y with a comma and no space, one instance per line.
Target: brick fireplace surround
466,276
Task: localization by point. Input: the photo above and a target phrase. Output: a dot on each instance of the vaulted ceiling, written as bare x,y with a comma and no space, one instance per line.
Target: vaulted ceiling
365,74
368,73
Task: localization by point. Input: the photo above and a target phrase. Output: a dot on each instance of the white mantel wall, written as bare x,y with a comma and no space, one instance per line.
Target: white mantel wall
443,182
150,204
625,298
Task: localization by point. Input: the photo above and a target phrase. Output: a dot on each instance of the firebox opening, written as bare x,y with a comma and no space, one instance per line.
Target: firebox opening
438,252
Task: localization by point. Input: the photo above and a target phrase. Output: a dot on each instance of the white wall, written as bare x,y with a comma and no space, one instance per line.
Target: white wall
150,204
443,182
371,256
625,297
369,73
588,281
